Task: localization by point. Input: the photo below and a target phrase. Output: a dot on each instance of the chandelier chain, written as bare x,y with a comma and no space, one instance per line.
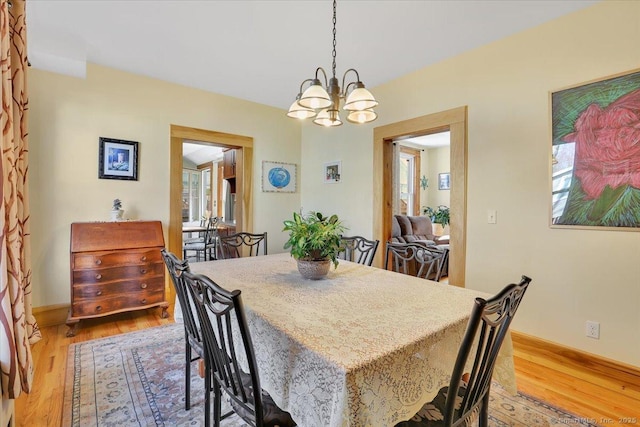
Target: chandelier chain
334,38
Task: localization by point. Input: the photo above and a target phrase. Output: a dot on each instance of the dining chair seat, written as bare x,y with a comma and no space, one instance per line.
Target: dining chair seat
432,413
272,415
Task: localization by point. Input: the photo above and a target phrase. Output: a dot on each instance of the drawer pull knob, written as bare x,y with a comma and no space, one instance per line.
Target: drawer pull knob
98,293
98,261
99,308
143,285
144,258
143,270
143,301
98,276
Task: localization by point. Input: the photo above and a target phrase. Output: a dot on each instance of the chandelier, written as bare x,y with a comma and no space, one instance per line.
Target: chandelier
323,101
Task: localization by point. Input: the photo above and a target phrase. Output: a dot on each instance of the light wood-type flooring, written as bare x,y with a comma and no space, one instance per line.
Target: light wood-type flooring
43,406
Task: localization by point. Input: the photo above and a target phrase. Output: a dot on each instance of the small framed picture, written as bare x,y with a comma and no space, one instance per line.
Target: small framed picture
332,172
278,177
118,159
444,181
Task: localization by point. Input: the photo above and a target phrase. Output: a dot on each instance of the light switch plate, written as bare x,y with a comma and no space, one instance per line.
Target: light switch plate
492,216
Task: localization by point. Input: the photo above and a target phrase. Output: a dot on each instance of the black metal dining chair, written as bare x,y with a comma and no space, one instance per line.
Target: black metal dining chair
207,245
194,348
467,396
227,343
358,249
233,245
416,259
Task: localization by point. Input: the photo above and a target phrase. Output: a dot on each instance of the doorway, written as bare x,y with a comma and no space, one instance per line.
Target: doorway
244,174
455,121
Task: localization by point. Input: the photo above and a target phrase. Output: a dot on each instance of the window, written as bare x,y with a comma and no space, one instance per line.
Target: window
191,195
563,157
409,171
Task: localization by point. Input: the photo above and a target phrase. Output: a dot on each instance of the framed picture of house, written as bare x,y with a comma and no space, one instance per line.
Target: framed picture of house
332,172
444,181
278,177
117,159
595,154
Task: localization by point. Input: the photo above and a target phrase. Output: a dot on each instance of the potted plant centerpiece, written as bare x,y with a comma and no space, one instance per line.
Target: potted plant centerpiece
314,241
439,215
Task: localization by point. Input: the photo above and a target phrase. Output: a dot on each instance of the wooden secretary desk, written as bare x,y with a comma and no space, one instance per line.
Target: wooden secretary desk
115,267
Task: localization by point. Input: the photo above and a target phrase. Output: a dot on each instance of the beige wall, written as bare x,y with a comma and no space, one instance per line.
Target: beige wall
438,162
68,115
578,275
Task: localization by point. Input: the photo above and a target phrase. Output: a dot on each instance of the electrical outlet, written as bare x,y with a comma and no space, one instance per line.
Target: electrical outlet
593,329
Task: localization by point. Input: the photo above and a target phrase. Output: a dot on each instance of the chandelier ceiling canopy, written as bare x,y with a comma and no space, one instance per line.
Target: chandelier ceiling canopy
323,101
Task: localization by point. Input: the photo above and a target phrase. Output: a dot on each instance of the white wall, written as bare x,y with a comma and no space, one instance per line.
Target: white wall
578,275
68,115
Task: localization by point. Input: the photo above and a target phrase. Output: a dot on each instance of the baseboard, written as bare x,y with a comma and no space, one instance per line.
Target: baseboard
616,376
51,315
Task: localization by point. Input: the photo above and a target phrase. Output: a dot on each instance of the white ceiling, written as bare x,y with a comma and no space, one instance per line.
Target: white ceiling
262,50
434,140
200,153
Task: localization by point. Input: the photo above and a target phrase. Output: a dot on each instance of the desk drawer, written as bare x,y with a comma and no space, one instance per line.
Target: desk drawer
101,290
101,275
112,258
122,302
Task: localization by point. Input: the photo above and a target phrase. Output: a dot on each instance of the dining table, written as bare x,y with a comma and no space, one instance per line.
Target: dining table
194,228
361,347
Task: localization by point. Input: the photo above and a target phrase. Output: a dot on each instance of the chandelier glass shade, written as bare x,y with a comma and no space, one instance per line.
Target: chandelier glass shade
323,101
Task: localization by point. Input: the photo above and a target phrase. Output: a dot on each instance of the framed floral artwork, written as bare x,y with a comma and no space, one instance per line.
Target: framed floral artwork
278,177
118,159
595,154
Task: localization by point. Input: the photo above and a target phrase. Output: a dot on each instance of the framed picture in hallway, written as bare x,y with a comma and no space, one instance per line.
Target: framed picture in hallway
444,181
595,154
117,159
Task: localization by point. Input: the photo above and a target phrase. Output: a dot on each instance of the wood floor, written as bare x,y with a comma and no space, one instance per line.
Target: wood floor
43,407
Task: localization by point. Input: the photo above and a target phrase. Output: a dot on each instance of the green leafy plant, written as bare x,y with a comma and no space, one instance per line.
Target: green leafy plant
117,205
314,236
439,215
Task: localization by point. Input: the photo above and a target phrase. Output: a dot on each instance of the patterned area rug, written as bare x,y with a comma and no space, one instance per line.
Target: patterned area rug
136,379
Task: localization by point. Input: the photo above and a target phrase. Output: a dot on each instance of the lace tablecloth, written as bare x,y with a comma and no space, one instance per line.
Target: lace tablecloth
362,347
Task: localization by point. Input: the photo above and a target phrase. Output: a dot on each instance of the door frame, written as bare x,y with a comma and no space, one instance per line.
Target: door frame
455,121
244,177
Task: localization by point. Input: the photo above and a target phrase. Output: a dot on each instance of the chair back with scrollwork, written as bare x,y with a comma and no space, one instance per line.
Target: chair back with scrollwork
358,249
241,244
416,259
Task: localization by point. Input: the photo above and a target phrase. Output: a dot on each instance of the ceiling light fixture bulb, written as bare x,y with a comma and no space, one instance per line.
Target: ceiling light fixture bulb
362,117
297,111
328,118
